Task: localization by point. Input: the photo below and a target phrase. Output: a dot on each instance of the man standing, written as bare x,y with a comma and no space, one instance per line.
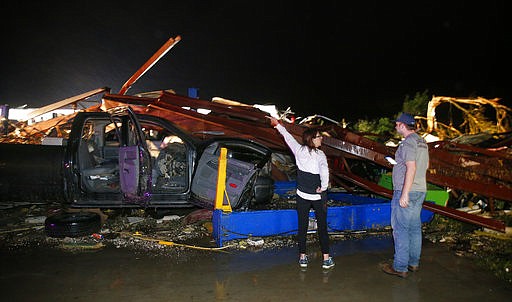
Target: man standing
409,191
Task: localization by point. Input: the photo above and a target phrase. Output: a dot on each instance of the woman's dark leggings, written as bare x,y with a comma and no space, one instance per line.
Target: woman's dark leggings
320,207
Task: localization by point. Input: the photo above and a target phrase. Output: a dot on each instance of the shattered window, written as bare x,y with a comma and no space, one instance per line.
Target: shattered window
245,153
111,134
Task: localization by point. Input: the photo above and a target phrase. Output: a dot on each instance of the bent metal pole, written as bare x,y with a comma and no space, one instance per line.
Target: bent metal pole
149,63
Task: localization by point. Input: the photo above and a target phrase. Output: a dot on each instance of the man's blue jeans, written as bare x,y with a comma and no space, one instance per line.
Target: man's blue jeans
406,224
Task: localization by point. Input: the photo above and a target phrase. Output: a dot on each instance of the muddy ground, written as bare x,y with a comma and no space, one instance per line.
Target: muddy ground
173,233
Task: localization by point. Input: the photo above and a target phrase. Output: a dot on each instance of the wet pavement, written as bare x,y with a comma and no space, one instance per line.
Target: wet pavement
40,273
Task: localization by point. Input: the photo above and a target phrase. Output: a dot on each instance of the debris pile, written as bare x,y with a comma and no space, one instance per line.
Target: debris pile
22,227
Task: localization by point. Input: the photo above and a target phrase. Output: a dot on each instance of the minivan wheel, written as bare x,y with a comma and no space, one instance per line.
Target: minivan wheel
76,224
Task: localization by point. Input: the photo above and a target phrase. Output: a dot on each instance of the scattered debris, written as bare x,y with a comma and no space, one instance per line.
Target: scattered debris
172,237
489,249
255,241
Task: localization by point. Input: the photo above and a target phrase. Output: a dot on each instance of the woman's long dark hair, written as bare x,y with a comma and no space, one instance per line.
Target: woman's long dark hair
307,138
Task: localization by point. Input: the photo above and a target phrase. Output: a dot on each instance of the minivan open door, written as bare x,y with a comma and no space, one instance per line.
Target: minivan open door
134,157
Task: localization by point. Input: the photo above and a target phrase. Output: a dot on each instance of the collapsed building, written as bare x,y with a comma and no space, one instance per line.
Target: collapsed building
472,172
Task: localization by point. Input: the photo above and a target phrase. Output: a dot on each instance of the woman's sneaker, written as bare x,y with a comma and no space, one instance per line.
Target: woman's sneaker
328,263
303,262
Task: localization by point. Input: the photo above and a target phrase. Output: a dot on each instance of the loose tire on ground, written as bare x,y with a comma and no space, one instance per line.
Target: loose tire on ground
72,224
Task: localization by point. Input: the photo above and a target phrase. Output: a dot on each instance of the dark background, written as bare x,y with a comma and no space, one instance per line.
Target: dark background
342,59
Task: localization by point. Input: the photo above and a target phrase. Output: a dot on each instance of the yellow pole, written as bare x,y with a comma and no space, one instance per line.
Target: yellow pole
221,183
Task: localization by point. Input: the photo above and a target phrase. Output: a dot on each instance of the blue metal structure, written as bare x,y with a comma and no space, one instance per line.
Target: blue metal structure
360,213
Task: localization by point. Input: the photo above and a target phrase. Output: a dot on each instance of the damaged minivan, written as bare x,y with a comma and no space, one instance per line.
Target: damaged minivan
120,159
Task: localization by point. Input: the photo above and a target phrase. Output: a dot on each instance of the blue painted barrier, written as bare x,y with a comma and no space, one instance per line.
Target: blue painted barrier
362,213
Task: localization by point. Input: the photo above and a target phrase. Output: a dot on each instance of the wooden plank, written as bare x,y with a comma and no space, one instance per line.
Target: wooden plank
65,102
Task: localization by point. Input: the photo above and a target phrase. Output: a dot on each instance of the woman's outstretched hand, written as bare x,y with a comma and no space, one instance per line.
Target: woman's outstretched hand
273,121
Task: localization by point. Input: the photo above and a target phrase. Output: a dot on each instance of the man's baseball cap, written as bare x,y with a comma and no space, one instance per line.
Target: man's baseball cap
406,118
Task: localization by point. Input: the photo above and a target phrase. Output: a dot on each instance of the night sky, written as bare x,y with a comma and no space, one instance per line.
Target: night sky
342,59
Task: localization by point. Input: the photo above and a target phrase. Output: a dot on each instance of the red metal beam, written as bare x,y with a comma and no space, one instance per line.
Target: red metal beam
466,217
445,211
149,63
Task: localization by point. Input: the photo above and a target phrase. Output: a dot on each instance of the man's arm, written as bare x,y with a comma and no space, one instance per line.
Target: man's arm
409,178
